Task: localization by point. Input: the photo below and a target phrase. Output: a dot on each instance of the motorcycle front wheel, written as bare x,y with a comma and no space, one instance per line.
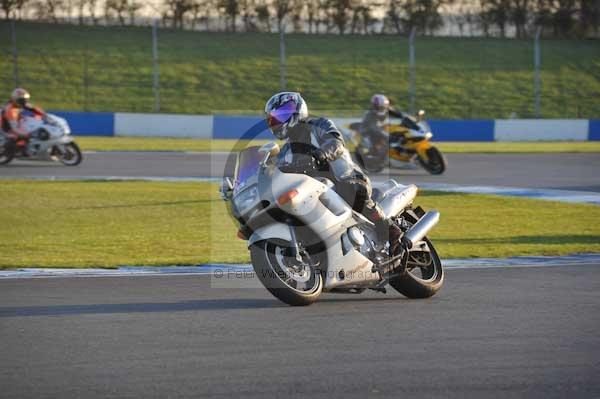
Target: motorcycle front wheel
71,156
292,282
436,162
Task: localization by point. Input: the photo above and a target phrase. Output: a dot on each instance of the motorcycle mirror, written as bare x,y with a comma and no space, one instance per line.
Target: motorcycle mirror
268,150
421,114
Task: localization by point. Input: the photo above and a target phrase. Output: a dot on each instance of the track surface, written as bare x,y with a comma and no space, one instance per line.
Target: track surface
519,332
558,171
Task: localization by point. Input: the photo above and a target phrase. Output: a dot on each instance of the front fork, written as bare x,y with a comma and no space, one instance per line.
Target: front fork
294,249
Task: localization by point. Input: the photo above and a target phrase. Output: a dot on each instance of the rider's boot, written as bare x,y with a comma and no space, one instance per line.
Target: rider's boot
386,229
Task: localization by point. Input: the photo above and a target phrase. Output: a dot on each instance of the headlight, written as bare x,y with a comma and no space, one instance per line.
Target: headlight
246,199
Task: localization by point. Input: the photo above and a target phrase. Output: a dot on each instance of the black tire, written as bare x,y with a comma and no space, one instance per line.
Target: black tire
436,164
265,264
74,153
7,153
413,286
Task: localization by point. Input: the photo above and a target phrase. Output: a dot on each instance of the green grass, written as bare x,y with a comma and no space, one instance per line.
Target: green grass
176,144
106,224
109,69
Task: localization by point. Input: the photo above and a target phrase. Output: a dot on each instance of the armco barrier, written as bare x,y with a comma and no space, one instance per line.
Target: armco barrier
594,130
541,129
89,123
250,127
238,127
470,130
154,125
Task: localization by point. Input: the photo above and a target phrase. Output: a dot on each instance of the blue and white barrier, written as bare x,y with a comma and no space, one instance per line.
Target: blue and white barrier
236,127
154,125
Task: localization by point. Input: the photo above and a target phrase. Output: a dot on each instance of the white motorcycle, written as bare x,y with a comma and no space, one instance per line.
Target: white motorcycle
305,239
50,140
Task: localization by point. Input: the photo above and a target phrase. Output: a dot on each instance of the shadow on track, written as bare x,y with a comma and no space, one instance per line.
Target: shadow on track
183,306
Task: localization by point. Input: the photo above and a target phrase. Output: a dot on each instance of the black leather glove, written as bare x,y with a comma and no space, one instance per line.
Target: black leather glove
319,156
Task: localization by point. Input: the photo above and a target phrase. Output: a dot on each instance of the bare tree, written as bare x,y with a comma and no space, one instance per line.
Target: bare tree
48,9
340,13
560,15
248,13
231,9
497,12
589,16
362,17
282,8
8,6
393,17
263,14
519,15
423,15
119,7
176,12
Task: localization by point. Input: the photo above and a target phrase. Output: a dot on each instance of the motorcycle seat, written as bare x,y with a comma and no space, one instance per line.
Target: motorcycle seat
382,189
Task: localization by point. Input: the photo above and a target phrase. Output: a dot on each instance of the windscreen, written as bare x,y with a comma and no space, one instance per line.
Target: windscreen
248,162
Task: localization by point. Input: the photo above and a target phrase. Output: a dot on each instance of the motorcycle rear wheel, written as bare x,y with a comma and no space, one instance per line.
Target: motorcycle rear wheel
436,164
72,155
6,154
298,285
423,278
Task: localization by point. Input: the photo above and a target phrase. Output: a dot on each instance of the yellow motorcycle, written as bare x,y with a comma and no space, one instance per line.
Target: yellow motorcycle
406,143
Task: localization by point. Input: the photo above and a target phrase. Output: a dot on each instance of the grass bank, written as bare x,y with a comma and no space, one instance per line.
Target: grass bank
106,224
110,69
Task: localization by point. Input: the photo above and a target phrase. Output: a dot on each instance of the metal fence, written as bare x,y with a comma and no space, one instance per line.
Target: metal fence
157,71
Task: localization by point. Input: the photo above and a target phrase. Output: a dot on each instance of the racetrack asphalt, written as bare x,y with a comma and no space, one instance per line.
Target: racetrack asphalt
564,171
489,333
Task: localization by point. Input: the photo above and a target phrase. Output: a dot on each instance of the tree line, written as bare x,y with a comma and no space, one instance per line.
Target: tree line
519,18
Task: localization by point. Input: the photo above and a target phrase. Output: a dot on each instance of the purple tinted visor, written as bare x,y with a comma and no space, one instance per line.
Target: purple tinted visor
282,114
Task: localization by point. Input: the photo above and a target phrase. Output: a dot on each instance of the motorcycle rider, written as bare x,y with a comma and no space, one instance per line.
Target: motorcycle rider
375,118
287,118
12,113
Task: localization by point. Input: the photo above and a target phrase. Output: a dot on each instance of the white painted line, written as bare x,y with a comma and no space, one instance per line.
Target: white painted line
212,269
198,179
535,193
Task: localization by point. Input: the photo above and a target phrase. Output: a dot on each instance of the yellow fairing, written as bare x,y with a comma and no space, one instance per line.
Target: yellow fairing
421,147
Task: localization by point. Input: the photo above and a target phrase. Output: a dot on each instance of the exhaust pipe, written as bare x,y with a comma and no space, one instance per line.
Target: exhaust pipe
420,229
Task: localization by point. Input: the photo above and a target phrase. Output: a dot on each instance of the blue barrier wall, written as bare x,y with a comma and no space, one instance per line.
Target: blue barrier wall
251,127
90,123
594,130
459,130
238,127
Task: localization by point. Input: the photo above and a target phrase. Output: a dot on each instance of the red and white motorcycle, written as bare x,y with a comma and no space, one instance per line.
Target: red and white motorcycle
50,140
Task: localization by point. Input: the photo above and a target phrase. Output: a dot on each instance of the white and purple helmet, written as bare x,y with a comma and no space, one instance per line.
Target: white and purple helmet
285,110
380,104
